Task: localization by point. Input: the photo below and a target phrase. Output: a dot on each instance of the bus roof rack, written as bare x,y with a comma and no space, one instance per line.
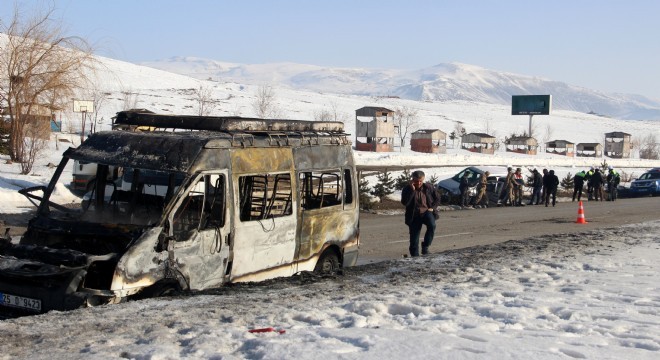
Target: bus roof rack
222,123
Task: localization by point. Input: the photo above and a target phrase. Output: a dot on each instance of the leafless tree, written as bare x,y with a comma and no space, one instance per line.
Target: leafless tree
548,133
331,114
336,114
405,119
458,133
264,104
205,100
40,68
488,127
323,115
130,99
98,98
35,141
649,148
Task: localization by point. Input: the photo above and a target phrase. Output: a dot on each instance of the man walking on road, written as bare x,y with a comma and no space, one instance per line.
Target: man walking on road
420,200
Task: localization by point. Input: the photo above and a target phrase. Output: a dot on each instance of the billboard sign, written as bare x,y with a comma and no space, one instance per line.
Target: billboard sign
531,104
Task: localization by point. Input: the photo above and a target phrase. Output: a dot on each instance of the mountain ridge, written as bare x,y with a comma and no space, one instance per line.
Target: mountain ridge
440,82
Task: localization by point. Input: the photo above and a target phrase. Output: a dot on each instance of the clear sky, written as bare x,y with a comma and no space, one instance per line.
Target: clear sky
607,45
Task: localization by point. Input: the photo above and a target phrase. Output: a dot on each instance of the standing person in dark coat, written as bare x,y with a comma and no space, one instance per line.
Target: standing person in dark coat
578,184
613,180
597,184
543,180
464,188
551,182
420,200
590,186
537,185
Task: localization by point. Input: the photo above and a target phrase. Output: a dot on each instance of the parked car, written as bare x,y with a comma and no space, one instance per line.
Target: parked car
449,188
647,184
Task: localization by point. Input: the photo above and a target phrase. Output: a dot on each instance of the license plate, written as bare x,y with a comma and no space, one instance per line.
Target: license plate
20,302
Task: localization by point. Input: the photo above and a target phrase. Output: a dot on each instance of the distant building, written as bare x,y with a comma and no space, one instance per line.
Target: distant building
617,145
522,145
560,147
374,129
429,141
37,122
589,150
478,142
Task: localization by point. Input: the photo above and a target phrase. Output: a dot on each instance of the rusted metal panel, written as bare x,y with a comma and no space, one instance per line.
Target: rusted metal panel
155,151
221,123
254,160
322,157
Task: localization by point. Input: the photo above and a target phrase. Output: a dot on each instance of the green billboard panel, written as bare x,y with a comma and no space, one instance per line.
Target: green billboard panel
531,104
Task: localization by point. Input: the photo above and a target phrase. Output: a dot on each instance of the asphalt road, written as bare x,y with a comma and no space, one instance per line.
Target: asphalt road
384,237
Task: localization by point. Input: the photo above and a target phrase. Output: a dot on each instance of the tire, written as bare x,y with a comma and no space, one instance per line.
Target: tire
163,288
328,263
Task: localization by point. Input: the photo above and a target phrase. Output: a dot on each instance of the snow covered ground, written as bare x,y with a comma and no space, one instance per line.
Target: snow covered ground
588,296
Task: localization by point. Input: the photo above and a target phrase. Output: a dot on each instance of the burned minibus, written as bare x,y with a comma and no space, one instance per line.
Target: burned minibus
201,202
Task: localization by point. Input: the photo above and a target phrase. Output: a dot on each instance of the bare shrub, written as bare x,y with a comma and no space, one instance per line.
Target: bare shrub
649,148
264,104
205,101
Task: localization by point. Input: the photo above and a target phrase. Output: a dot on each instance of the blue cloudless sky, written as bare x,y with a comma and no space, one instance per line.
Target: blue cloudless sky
607,45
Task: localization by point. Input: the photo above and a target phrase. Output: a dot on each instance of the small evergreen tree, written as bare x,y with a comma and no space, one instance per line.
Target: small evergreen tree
363,191
384,187
433,179
567,182
604,167
403,180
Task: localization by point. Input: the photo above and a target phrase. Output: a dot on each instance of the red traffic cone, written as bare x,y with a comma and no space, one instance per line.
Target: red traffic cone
580,218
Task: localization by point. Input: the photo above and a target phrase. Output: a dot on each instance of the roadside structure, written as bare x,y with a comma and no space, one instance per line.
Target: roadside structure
560,147
589,150
617,145
432,141
479,143
522,145
374,129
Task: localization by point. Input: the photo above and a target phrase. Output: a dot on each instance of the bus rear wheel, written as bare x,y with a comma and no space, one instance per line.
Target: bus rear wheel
328,263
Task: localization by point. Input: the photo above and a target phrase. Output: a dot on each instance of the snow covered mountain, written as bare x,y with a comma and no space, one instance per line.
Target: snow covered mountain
442,82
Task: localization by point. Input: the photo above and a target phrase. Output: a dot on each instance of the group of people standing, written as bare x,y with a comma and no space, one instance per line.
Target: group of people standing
544,188
596,181
422,200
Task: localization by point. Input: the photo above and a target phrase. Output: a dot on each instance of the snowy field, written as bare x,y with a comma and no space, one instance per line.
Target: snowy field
590,296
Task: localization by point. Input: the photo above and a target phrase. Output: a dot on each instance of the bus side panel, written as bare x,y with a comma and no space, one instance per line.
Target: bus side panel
262,249
332,226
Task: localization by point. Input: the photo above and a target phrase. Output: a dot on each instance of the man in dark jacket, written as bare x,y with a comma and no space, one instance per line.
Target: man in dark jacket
578,184
537,185
597,184
420,200
613,180
464,188
550,183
